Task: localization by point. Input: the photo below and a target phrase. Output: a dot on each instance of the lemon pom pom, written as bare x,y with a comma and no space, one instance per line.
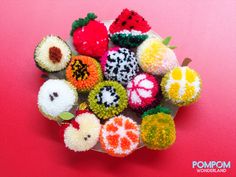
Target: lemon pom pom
158,129
182,86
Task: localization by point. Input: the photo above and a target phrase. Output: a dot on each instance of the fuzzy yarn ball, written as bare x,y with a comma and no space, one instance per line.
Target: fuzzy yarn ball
156,58
119,64
142,90
158,129
84,72
119,136
90,37
82,133
129,29
52,54
182,86
108,99
56,96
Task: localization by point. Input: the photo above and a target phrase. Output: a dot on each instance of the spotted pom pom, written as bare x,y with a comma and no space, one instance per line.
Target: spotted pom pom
119,64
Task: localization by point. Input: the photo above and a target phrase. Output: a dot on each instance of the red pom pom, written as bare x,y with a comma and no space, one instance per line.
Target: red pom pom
92,39
129,20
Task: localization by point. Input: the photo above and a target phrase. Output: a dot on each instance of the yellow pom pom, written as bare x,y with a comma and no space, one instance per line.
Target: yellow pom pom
182,86
158,131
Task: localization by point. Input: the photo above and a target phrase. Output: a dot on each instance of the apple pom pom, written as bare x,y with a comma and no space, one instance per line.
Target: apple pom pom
82,133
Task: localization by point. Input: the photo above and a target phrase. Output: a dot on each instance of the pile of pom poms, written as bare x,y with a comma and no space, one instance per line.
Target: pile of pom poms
113,88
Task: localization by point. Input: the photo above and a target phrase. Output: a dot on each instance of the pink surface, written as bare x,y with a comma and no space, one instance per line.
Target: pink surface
203,30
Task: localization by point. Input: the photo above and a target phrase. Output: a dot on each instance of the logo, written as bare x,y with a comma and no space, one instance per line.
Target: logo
211,166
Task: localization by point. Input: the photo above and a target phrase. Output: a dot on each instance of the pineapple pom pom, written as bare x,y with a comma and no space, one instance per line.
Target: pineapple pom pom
158,129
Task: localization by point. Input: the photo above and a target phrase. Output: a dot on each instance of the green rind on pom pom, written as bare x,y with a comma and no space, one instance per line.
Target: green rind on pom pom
156,110
82,22
158,131
107,112
128,40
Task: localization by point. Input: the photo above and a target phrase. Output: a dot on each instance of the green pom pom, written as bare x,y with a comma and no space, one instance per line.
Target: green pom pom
107,99
82,22
128,40
158,131
156,110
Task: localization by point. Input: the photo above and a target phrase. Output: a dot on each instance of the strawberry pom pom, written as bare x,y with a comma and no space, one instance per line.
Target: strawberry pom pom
90,37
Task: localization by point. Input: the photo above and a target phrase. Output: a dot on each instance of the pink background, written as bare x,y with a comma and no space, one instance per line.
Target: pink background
204,30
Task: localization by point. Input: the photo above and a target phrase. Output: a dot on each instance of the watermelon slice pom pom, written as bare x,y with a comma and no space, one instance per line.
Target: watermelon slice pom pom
129,29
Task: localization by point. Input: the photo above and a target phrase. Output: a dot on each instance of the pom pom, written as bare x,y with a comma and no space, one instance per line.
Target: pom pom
142,91
156,58
158,129
129,29
52,54
82,133
90,37
119,136
182,86
119,64
84,72
107,99
56,97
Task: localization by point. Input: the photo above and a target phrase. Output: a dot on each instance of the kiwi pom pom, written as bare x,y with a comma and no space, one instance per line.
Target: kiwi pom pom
107,99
